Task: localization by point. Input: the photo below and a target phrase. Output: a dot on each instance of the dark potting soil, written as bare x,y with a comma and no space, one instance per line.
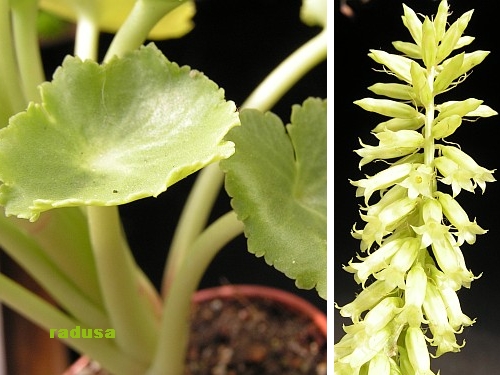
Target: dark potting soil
253,337
248,337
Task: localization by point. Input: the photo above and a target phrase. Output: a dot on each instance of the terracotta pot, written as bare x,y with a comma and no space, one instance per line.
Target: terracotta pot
288,299
84,366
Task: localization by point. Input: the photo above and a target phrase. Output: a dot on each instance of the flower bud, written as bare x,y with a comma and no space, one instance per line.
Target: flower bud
446,126
452,35
392,90
387,107
399,65
471,60
451,70
412,23
421,87
429,43
482,111
411,50
396,124
440,20
461,108
464,41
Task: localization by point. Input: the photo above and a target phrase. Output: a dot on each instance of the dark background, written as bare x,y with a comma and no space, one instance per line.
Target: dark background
235,43
375,25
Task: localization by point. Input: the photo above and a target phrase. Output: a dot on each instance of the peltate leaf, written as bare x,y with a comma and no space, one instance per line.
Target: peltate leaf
110,15
110,134
277,181
313,12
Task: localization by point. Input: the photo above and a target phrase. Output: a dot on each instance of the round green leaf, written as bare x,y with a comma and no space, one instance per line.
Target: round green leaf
277,178
109,15
110,134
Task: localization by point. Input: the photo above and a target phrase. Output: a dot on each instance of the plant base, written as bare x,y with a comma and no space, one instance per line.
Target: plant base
247,330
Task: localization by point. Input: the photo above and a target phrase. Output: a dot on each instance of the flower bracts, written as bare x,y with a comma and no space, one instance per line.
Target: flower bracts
412,234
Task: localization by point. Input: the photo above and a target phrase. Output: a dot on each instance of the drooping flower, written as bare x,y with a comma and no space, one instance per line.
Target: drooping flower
382,180
392,144
366,300
455,176
376,261
416,348
380,315
378,226
457,216
479,174
432,231
443,334
401,262
416,282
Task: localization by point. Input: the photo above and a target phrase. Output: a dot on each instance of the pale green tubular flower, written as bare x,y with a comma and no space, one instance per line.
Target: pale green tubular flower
392,144
415,288
366,300
437,315
448,293
401,262
408,310
477,173
416,347
378,226
457,216
381,180
388,197
455,176
374,262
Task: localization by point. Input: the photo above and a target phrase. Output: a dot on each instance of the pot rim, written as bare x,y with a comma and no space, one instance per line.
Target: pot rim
293,301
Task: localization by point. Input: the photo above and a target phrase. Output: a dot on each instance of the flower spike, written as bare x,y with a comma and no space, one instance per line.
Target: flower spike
412,234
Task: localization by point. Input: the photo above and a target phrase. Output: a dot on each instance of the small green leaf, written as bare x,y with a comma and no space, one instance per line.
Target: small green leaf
277,178
110,134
